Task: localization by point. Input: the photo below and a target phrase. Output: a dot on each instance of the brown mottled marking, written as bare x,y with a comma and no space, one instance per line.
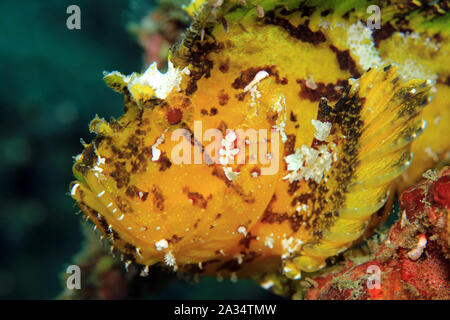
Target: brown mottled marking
201,65
140,132
324,113
284,81
240,96
246,240
101,138
191,87
164,162
293,117
132,191
123,205
247,75
158,197
175,238
115,125
330,91
224,66
223,98
121,154
88,156
295,220
293,187
186,102
223,127
326,12
302,32
140,163
133,144
213,111
196,223
245,78
272,117
198,199
438,37
83,169
303,198
152,103
120,175
289,145
385,32
268,214
346,61
347,14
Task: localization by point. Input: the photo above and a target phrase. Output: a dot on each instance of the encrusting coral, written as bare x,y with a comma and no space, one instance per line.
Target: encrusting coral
340,105
412,261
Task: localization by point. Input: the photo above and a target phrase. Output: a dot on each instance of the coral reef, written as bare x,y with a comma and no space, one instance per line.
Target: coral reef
413,259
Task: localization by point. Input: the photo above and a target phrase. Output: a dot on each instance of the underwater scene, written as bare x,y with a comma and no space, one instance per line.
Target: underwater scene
225,150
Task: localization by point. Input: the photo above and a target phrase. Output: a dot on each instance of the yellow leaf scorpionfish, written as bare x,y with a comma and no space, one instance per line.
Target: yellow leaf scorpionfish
278,130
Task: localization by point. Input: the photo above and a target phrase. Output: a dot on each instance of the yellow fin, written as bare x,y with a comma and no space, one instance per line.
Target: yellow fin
375,122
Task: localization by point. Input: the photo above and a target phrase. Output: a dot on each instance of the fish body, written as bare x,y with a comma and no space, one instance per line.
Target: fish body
269,143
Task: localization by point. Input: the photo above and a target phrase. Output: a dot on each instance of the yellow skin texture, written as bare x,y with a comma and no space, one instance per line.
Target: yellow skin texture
137,202
431,147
